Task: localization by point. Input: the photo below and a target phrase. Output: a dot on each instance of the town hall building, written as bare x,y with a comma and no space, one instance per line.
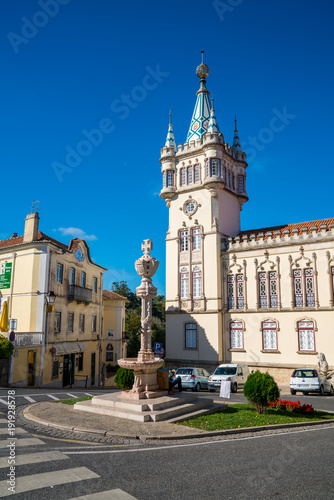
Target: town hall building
264,297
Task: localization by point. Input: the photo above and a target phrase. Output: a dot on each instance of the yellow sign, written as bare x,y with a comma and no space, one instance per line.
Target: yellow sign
50,309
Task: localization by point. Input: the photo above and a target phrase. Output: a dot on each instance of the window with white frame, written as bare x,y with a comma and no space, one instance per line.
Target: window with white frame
57,327
263,289
170,178
306,336
303,281
70,322
196,173
184,283
83,280
241,184
236,335
273,289
184,243
196,233
72,276
207,168
298,288
95,285
215,167
183,177
81,323
230,291
94,322
190,175
60,271
164,179
197,283
269,335
190,341
240,291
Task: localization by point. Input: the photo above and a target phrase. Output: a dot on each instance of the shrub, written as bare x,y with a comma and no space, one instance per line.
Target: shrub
6,347
260,389
124,378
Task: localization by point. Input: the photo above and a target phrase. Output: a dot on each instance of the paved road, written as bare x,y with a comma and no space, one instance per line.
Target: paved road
32,395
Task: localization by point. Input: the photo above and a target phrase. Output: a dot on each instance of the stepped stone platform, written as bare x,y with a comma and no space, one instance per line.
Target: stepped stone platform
168,408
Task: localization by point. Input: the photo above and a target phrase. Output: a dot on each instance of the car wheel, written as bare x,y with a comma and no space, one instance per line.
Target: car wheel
198,387
321,390
332,391
234,387
293,392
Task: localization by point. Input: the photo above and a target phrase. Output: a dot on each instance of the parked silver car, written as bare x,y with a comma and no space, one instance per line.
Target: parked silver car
235,372
193,378
307,380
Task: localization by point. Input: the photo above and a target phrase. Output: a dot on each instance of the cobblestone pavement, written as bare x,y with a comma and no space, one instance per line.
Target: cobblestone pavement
62,421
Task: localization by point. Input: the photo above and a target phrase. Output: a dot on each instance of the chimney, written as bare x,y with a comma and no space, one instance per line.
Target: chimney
31,228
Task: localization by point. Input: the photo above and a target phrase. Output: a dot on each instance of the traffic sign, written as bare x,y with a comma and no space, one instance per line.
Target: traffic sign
158,348
12,336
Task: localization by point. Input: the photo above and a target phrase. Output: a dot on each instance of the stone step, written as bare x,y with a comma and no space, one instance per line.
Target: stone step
214,408
166,401
180,410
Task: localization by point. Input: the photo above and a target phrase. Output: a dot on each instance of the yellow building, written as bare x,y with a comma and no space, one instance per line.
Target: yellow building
55,345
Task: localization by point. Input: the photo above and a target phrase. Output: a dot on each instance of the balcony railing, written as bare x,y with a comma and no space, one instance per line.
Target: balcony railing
79,293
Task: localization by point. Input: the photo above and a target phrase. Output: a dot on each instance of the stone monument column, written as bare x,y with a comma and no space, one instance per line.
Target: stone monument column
145,367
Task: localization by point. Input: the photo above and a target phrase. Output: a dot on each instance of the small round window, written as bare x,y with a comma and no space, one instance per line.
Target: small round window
190,207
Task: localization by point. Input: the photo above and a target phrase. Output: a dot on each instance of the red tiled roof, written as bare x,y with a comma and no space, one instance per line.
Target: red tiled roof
108,294
18,240
290,227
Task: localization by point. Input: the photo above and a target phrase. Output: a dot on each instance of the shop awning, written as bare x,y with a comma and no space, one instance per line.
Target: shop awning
59,349
71,347
82,346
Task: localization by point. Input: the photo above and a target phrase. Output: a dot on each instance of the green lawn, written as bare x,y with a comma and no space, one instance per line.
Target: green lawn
75,400
244,415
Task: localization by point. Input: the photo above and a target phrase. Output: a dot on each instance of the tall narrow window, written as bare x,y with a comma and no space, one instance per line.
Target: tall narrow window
164,179
233,181
190,341
263,289
81,323
230,291
196,173
184,244
72,276
207,168
309,287
298,289
196,239
94,320
224,174
83,280
215,167
241,184
197,283
240,291
269,335
70,322
184,283
190,175
228,183
170,178
183,177
60,270
306,336
95,285
273,289
57,327
236,335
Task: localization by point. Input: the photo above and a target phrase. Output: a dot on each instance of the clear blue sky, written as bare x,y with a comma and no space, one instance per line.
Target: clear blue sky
71,72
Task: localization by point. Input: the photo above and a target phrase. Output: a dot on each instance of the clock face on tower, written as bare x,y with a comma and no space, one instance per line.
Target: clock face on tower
78,254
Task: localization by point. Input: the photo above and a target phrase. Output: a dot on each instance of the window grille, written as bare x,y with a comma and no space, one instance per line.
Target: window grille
269,335
184,284
196,173
240,291
184,241
273,289
230,291
196,239
236,335
263,289
197,283
183,177
190,175
215,167
309,287
306,336
170,178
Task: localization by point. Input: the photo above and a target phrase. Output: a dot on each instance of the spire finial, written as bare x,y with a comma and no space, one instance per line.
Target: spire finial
170,116
202,70
202,52
212,106
235,123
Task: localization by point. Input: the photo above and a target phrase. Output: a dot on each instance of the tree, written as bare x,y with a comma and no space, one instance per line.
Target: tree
121,287
6,347
261,389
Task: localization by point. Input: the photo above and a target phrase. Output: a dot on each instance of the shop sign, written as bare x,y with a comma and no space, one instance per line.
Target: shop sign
5,275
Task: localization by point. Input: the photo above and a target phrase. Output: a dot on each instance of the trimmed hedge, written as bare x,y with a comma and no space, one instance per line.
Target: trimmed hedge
124,378
260,389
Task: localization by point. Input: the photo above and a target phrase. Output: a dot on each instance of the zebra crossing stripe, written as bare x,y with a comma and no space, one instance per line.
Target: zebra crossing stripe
4,401
47,479
28,398
53,397
34,458
3,421
21,442
87,394
17,430
72,395
116,494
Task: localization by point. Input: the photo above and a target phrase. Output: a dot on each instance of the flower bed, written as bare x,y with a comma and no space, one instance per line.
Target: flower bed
293,406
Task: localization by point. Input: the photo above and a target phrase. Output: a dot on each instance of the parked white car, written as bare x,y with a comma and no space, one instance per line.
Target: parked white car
307,380
236,373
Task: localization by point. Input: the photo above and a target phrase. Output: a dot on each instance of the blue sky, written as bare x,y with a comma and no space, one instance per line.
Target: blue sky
71,66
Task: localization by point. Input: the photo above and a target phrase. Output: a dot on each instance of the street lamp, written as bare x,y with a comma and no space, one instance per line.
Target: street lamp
50,298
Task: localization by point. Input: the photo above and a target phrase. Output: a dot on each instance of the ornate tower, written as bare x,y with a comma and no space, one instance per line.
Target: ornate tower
204,185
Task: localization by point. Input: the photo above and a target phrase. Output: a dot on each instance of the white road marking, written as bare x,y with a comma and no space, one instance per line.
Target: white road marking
3,421
37,481
16,430
4,402
116,494
53,397
72,395
34,458
20,442
187,445
28,398
87,394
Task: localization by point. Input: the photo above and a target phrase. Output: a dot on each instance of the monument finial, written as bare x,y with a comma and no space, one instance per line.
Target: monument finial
146,247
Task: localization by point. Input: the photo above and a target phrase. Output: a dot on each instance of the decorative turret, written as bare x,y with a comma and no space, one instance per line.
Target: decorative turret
170,141
213,125
236,141
200,120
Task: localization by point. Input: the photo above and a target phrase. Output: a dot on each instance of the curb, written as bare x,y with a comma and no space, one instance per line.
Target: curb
226,432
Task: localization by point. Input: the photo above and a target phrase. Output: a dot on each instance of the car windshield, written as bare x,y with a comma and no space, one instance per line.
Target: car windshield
225,370
184,371
304,373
